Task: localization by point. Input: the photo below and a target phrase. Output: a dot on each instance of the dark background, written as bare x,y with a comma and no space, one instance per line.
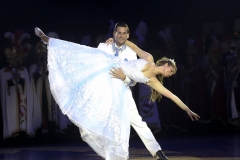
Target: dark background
72,19
92,16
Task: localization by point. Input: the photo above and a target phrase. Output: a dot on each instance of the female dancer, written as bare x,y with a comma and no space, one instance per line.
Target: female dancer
95,102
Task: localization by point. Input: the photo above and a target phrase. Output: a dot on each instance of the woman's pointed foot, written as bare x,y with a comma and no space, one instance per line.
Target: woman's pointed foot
39,33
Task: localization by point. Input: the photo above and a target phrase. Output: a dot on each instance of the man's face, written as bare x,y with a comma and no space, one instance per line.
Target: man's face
121,35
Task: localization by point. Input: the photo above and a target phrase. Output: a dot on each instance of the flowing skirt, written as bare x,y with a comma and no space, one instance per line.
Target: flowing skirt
84,90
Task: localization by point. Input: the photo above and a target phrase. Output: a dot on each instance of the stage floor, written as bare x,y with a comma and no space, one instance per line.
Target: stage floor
213,147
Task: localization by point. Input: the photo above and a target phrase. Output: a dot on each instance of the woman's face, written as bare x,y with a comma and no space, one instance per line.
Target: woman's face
168,70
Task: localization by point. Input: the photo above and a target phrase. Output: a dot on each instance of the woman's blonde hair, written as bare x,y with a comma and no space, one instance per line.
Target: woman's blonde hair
155,95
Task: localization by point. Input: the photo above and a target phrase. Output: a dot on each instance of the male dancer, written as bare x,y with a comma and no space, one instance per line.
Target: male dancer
120,49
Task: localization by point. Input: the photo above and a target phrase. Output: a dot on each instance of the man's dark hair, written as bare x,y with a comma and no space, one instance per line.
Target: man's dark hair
121,24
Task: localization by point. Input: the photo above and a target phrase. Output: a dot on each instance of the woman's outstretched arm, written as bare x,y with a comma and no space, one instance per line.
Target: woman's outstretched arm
155,84
141,53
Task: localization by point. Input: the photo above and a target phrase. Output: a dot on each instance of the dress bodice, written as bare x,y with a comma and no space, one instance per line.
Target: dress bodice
133,69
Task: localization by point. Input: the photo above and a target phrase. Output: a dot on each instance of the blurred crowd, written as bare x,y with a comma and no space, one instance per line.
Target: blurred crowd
206,80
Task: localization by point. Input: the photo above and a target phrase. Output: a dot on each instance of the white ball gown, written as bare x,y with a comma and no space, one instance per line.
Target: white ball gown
84,90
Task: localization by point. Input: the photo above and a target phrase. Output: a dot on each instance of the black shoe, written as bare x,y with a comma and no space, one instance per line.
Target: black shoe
160,155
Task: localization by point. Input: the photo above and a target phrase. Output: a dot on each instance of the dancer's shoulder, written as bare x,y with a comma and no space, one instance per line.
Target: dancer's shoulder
105,47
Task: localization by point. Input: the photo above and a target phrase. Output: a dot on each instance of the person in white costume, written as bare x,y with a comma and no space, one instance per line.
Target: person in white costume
121,34
94,101
16,96
37,74
46,113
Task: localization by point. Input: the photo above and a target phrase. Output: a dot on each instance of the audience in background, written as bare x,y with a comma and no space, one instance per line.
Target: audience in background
208,68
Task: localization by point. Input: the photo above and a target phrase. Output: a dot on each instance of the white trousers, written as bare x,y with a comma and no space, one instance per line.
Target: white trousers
142,129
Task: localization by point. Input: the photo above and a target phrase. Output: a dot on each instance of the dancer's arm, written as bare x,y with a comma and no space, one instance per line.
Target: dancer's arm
155,84
117,72
141,53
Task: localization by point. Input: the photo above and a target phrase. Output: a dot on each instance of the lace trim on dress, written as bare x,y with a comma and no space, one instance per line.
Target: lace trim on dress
81,97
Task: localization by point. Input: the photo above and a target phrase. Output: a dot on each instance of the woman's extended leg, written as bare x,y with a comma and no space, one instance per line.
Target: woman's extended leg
40,34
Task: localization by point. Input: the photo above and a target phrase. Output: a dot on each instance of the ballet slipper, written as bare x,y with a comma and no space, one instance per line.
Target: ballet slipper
37,32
